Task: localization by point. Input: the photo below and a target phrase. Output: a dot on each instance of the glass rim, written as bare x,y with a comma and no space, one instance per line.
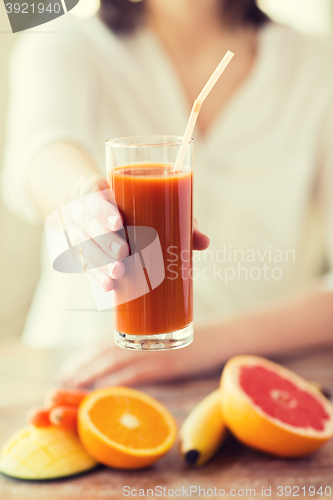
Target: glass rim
116,142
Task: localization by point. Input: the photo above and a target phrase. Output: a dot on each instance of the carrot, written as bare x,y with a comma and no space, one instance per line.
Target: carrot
39,417
64,417
64,397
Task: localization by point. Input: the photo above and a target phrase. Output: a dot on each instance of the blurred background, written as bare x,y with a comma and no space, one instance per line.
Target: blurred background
20,263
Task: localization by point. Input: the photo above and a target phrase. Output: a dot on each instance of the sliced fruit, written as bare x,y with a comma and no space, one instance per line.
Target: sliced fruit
125,428
64,417
203,431
270,408
39,417
44,453
64,397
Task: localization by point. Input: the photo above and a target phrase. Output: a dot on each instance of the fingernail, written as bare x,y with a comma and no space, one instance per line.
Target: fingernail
105,285
112,268
115,247
113,221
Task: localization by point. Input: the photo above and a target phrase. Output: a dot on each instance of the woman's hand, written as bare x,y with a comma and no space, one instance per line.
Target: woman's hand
92,221
300,321
105,364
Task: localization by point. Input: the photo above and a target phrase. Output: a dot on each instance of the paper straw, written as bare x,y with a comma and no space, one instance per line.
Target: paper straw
196,108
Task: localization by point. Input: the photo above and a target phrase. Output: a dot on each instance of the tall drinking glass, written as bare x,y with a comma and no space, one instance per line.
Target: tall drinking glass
153,302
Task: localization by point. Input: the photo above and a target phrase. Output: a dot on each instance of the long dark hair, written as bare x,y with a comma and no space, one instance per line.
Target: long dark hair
124,16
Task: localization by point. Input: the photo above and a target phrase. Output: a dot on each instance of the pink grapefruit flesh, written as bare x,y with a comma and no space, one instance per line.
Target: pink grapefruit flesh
281,399
270,408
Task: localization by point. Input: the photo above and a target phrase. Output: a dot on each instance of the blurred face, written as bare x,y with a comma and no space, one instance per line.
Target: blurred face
187,3
202,7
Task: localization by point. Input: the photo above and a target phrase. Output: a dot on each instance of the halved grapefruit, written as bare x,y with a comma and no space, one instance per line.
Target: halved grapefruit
271,409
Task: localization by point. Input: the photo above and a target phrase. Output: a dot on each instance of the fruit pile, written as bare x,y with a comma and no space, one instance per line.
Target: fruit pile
118,427
265,406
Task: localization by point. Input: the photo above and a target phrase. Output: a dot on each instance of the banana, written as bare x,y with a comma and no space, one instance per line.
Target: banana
203,431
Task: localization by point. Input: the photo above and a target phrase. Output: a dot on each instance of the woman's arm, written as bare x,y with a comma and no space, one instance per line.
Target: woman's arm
54,174
301,322
296,322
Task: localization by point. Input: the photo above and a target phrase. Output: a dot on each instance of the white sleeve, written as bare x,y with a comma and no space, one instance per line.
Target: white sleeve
52,90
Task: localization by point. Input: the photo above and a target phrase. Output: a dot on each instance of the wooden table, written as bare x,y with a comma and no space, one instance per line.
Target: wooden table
26,373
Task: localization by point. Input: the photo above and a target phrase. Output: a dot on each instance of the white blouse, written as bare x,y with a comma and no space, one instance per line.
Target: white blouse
262,174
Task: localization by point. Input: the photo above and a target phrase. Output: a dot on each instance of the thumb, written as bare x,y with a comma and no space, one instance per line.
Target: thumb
200,240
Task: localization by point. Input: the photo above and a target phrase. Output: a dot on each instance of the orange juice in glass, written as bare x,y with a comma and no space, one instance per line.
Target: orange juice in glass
156,205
